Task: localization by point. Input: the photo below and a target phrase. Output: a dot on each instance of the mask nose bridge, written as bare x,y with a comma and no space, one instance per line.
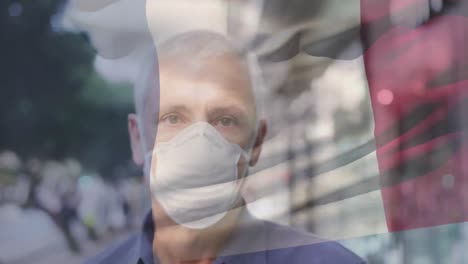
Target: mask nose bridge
204,128
209,131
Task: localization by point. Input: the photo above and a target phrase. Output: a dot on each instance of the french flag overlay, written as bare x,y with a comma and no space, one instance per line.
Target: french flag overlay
415,58
418,86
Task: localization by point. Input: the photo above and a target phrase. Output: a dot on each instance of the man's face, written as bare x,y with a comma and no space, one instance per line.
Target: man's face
216,91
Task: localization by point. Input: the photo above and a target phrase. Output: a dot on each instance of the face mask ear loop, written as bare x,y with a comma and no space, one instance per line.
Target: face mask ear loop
248,153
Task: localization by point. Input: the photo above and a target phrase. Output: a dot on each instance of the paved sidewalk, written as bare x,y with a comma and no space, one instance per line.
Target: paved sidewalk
53,255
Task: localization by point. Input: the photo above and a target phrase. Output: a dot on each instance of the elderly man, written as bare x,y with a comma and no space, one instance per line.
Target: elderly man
196,131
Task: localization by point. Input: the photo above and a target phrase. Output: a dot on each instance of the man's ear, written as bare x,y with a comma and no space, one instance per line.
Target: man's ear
136,139
257,148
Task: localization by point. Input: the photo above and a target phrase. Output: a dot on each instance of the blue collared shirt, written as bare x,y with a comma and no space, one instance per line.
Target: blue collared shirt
253,242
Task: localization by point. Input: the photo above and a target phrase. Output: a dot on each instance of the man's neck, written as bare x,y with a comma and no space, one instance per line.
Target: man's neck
176,244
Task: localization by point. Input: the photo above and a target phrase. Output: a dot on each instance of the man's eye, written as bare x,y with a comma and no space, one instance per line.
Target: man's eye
226,121
172,119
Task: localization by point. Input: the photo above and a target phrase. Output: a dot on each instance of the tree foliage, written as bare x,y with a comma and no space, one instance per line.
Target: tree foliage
52,103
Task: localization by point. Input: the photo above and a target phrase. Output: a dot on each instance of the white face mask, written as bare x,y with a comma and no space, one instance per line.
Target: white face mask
196,179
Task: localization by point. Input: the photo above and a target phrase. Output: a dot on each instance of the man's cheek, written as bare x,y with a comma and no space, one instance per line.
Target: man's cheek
152,171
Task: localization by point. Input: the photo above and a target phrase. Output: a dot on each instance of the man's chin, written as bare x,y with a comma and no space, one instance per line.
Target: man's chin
217,221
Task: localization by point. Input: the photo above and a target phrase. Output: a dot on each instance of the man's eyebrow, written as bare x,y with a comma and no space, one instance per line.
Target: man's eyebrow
173,108
231,109
156,114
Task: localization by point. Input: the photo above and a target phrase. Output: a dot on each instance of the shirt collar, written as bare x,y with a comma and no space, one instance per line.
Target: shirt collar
146,240
246,245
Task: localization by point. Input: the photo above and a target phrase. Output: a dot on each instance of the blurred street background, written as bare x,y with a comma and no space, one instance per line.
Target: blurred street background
68,187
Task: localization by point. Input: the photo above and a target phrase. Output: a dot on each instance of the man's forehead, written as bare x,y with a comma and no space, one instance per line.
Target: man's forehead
226,68
224,75
201,57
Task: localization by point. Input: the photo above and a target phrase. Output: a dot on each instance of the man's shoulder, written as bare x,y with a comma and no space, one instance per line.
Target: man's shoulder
123,251
295,246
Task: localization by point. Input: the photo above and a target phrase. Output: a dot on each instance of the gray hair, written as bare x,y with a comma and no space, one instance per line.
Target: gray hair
199,44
